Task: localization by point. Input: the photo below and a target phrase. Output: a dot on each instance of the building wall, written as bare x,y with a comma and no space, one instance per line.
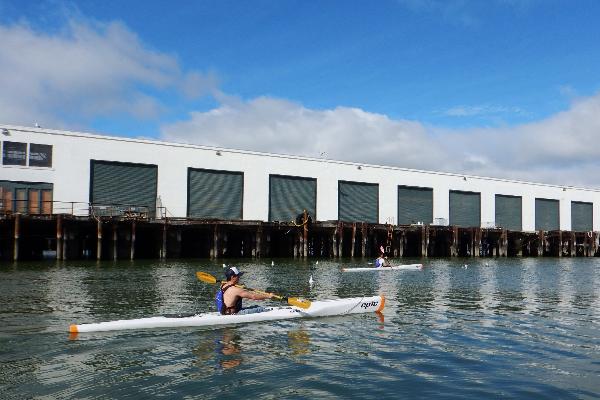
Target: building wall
72,152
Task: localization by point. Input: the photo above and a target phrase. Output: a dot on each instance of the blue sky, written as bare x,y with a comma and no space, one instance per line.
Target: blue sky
437,78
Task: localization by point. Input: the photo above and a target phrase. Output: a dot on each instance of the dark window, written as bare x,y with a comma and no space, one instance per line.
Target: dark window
14,153
40,155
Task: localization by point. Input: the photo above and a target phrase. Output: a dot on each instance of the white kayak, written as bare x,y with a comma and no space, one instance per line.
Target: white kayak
410,267
323,308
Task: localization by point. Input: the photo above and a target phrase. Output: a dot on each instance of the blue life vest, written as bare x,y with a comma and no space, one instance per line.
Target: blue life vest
219,301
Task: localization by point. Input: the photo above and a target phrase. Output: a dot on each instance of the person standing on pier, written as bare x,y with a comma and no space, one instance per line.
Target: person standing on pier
229,296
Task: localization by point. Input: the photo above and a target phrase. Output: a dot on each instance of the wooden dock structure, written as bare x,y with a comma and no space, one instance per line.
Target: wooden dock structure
68,237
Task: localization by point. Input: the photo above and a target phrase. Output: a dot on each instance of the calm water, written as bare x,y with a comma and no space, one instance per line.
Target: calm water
496,328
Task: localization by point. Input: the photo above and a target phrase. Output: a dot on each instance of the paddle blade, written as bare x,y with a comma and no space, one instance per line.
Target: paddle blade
204,277
300,303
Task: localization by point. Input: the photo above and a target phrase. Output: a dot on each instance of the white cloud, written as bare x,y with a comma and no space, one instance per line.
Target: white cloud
561,149
86,70
481,110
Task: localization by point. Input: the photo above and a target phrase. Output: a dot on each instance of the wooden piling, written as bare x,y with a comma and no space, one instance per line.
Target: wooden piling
586,245
334,248
305,234
259,233
504,243
132,244
66,233
353,239
341,239
59,237
214,251
163,247
365,236
424,240
476,242
114,242
401,243
560,244
16,235
541,243
454,244
99,240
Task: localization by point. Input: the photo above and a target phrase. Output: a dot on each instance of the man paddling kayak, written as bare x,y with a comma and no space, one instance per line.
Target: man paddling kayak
229,296
382,261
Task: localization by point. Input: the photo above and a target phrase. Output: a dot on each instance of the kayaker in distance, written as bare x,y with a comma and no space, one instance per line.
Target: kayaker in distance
229,297
382,260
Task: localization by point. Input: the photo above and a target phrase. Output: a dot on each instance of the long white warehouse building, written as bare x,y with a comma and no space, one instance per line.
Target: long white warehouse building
43,168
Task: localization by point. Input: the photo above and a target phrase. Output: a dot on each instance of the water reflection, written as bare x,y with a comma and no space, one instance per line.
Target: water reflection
229,350
221,348
509,289
299,342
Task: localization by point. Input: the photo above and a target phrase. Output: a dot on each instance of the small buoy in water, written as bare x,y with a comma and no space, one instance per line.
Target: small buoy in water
487,264
310,280
465,266
272,263
317,263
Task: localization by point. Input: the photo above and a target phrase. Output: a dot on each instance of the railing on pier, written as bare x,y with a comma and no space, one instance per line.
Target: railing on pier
74,208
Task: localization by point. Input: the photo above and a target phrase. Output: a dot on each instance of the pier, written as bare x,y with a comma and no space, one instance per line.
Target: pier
135,235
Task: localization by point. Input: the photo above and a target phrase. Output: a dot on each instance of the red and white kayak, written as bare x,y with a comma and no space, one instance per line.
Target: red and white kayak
409,267
324,308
